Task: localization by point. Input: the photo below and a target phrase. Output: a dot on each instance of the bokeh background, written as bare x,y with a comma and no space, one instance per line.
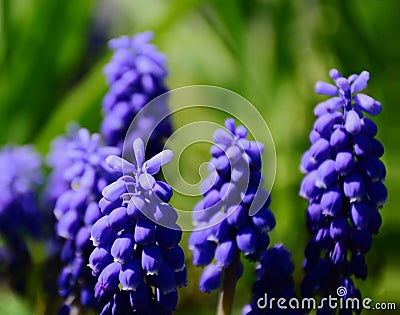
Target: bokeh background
270,51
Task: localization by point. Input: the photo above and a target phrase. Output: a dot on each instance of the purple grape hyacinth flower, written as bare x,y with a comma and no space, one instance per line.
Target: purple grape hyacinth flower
344,186
83,168
135,75
137,260
273,281
20,217
224,228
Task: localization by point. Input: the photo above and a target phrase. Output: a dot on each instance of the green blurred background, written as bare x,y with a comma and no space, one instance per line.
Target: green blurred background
270,51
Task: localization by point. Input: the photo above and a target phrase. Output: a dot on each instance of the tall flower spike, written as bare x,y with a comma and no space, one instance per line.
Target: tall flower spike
135,75
273,281
85,173
20,218
224,228
137,259
344,186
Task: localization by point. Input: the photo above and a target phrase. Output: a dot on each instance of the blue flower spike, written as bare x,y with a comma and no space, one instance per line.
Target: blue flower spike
79,219
137,258
343,186
226,223
135,75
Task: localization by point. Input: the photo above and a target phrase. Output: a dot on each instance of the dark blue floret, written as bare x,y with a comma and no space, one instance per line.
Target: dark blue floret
343,185
137,260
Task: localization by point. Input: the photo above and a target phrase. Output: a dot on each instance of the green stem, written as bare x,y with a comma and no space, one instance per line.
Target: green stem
227,294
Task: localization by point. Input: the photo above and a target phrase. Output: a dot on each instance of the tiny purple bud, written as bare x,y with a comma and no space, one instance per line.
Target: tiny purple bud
326,174
344,162
216,151
151,259
168,237
331,202
223,137
324,124
247,239
377,193
264,220
153,165
211,278
353,122
108,280
147,181
120,165
138,149
164,279
339,253
360,214
122,248
340,138
225,253
362,145
360,83
145,232
175,258
114,191
163,191
92,213
308,189
99,259
101,232
118,219
369,128
106,206
203,254
68,225
320,150
130,275
326,88
340,228
368,104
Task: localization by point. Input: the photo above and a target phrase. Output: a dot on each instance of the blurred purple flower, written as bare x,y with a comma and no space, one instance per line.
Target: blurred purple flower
135,75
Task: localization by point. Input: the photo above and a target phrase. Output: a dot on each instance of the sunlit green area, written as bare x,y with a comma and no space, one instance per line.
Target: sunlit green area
270,51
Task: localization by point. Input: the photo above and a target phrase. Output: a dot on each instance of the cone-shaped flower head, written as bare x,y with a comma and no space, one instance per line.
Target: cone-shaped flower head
137,259
224,228
135,75
343,184
84,170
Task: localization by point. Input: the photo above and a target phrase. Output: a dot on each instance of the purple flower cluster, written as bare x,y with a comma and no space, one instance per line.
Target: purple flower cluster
223,225
76,209
344,185
135,76
137,260
273,281
21,176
